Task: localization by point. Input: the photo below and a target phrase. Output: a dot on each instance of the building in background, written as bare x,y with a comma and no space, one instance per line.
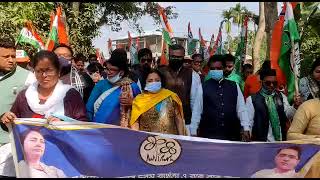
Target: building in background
148,39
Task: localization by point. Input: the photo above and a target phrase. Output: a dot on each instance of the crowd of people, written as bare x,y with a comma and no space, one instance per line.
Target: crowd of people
189,96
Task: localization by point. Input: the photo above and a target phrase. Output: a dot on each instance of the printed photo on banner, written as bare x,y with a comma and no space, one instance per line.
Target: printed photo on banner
97,150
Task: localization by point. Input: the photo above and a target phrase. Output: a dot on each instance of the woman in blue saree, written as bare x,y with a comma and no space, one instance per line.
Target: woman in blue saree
111,99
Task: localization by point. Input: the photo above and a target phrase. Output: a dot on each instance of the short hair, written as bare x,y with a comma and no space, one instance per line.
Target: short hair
247,66
315,64
296,148
176,47
216,58
196,55
119,59
144,51
163,80
79,57
51,56
267,72
64,46
229,58
25,133
94,67
7,44
265,65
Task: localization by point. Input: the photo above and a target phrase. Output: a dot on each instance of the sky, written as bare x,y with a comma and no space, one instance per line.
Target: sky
206,15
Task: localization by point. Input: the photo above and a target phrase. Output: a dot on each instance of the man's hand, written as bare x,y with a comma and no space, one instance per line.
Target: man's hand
245,136
8,117
297,101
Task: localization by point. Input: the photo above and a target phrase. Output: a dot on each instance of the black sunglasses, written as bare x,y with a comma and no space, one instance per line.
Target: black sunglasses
268,83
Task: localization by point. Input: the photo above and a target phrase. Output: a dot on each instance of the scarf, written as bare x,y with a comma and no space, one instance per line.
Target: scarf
313,87
145,101
273,114
76,80
54,104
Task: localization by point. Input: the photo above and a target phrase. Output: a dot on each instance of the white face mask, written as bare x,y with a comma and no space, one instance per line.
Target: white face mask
115,78
153,87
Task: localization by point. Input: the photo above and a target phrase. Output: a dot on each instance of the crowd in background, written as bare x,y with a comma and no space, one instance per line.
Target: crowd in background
189,96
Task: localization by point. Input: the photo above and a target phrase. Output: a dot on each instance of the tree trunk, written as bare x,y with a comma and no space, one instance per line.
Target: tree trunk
259,38
271,11
75,8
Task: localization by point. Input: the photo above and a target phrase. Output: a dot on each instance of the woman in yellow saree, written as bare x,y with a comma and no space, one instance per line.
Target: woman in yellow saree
157,109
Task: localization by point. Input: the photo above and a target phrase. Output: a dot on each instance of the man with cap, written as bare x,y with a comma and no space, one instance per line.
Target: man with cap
187,84
269,110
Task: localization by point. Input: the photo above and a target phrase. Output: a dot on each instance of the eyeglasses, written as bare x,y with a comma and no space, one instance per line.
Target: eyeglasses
268,83
176,58
67,57
111,69
48,72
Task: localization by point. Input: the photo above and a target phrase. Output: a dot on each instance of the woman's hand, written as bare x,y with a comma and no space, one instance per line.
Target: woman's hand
126,96
53,119
8,117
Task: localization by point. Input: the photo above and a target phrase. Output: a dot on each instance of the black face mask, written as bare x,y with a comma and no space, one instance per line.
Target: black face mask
65,66
146,68
175,64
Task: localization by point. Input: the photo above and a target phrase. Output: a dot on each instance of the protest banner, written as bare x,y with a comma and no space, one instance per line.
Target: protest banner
84,149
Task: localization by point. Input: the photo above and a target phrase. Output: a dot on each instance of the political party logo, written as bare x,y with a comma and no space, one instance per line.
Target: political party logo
160,151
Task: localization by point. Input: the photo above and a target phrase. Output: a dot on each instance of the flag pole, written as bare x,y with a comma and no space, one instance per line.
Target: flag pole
296,81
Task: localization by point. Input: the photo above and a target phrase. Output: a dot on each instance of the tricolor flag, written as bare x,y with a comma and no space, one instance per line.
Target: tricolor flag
164,51
191,43
22,56
210,47
203,47
58,34
110,46
289,61
217,48
166,26
241,50
275,46
29,35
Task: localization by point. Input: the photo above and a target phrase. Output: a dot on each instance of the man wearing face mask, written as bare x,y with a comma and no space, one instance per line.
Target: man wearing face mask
229,72
187,84
111,99
269,110
224,112
141,70
81,81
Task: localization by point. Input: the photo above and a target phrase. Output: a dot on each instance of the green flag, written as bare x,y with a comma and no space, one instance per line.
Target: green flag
288,62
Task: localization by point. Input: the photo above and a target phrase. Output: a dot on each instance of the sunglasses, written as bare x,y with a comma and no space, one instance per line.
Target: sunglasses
268,83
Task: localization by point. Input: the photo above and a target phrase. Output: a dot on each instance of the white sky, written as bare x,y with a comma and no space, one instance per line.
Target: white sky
206,15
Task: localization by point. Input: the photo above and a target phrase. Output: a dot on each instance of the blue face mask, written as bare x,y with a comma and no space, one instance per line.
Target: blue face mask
216,74
153,87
